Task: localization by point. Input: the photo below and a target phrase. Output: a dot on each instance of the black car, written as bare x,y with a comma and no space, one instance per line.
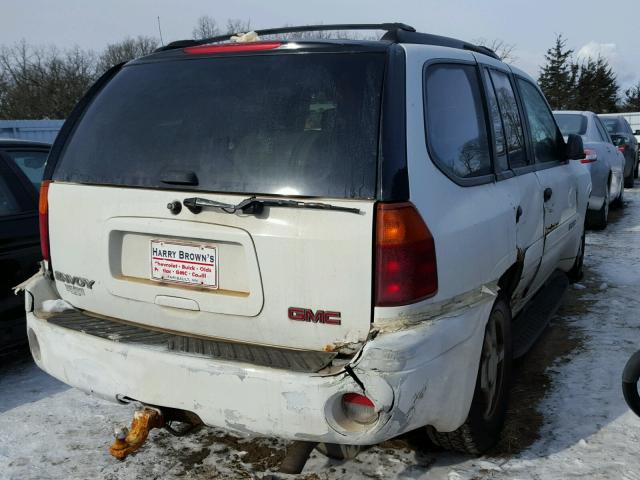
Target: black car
623,138
21,168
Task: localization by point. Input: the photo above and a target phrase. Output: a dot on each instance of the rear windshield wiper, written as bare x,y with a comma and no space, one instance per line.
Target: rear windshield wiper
255,205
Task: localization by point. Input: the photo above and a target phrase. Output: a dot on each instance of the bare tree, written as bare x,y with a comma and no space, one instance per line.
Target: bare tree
42,82
326,35
506,51
126,50
206,27
235,25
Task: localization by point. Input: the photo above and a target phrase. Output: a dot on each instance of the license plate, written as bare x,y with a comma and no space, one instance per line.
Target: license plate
184,263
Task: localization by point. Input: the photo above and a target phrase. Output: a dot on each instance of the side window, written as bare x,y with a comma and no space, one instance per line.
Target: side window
546,138
31,163
8,202
628,127
510,119
496,124
602,131
456,127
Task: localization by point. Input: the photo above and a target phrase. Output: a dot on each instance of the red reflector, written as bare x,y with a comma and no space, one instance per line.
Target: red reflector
43,217
406,269
622,148
590,156
357,399
231,47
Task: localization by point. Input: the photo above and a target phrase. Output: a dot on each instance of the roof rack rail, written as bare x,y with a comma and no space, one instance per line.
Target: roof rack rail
388,27
401,36
395,32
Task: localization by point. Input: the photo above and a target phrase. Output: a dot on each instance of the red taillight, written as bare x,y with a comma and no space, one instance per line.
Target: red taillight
406,268
43,214
622,148
590,156
232,47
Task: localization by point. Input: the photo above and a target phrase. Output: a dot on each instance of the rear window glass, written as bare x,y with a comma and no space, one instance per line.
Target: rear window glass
290,124
571,123
613,125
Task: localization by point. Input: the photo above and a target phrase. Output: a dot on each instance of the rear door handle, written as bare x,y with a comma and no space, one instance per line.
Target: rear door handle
547,194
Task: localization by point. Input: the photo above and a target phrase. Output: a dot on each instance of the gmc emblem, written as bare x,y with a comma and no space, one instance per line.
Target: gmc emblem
320,316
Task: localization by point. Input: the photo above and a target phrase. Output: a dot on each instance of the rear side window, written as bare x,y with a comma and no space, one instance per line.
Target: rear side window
31,162
496,123
546,139
571,123
290,124
510,119
8,202
456,127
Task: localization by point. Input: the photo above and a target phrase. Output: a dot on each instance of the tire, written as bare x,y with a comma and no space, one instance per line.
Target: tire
576,273
339,452
630,377
481,430
619,202
628,181
598,220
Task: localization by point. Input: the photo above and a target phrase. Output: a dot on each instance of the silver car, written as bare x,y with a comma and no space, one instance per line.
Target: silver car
602,158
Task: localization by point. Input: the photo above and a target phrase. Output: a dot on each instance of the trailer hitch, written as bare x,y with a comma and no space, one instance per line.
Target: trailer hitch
128,440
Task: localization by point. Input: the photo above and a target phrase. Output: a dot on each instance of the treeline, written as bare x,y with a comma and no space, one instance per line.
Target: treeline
46,82
588,84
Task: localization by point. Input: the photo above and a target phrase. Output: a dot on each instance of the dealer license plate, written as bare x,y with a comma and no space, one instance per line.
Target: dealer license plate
184,263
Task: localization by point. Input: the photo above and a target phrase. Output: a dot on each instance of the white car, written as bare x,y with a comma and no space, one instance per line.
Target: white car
332,241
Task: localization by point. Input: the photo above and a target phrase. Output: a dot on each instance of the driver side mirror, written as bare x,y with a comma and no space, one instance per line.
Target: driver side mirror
637,132
575,147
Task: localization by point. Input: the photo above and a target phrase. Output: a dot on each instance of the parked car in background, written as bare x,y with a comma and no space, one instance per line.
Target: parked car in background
226,196
604,161
623,137
634,122
21,167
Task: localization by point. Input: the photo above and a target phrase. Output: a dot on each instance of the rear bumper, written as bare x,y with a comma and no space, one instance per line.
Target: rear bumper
423,375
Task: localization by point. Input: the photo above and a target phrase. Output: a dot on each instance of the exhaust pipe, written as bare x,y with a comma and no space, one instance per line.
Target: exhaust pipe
630,377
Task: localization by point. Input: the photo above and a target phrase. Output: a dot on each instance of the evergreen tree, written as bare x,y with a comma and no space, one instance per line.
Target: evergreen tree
632,99
558,75
597,87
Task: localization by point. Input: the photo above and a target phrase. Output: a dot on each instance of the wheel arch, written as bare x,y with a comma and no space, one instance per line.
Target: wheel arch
510,279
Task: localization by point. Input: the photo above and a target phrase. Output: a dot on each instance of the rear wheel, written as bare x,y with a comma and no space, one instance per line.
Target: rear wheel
628,181
598,219
576,273
482,428
619,202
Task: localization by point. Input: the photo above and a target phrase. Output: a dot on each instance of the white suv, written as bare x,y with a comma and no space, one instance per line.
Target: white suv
333,241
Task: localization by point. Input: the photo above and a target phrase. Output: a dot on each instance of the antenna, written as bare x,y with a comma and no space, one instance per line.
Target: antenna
160,31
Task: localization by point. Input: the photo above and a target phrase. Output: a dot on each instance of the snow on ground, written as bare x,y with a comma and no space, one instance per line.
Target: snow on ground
568,418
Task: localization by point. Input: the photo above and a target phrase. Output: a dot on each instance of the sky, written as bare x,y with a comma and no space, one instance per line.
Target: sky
592,27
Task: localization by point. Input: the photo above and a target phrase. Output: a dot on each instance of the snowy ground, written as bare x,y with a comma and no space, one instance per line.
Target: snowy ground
568,418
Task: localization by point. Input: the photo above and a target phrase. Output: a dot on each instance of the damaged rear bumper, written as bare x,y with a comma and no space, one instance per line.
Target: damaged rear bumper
419,375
